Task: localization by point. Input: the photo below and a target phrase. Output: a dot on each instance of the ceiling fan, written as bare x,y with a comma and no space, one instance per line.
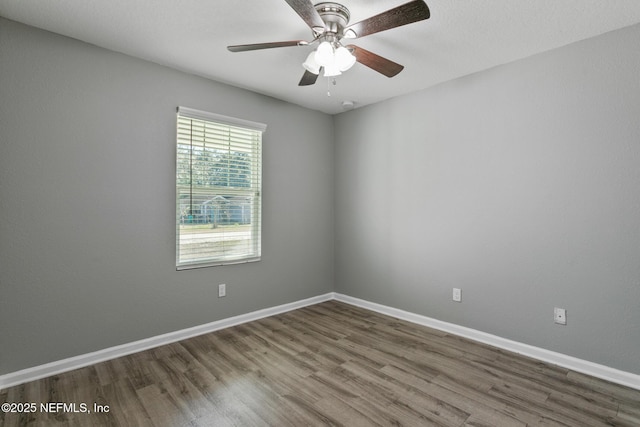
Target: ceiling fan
329,24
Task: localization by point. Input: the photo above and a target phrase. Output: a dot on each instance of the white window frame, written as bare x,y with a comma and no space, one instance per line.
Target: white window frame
198,257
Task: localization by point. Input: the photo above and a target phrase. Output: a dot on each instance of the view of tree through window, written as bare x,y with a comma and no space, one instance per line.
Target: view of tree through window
218,184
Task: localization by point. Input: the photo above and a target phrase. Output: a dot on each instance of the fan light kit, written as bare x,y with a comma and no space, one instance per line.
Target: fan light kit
334,60
329,25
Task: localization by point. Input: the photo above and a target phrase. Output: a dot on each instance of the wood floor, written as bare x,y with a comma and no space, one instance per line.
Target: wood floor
327,364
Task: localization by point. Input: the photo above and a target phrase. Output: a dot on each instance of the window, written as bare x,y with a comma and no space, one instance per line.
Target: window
218,189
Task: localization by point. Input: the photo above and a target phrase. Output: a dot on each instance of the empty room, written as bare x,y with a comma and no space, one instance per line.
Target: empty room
292,213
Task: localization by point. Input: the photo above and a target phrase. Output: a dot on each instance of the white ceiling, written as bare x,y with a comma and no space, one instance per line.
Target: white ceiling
461,37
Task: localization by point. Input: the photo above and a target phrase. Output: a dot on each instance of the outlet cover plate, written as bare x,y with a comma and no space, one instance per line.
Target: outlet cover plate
222,290
457,295
560,316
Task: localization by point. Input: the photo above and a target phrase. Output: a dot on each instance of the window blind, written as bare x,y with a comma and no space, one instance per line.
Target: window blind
218,189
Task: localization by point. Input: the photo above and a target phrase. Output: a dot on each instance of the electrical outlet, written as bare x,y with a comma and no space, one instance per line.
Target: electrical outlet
560,316
457,295
222,290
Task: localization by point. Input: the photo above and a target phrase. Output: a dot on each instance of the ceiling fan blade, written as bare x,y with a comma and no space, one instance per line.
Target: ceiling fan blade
307,12
308,78
375,62
258,46
407,13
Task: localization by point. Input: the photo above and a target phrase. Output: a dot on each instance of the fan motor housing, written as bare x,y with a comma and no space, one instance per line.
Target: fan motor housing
335,16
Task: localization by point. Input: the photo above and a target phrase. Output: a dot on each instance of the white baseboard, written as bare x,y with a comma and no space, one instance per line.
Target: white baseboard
60,366
596,370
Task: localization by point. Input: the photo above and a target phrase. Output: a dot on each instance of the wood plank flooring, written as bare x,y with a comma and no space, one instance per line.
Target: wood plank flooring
327,364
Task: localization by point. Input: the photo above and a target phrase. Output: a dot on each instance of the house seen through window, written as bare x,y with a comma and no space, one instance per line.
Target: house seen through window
218,189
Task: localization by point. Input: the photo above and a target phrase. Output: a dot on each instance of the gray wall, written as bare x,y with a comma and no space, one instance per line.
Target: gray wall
520,185
87,201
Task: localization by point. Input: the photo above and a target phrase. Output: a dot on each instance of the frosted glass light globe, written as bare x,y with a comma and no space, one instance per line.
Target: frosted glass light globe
344,59
331,70
311,65
324,55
